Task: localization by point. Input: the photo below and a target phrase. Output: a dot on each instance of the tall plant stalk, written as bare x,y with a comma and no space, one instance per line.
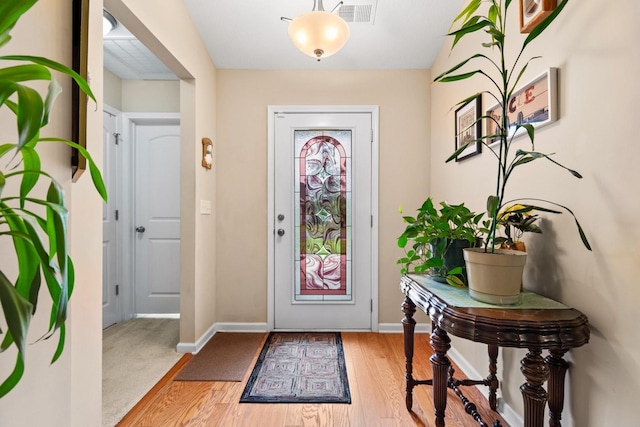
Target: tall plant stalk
493,23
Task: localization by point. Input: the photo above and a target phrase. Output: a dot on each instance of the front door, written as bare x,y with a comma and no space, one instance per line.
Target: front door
322,220
157,218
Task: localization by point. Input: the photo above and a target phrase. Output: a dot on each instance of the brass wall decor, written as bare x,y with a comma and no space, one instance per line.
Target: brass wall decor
207,153
532,12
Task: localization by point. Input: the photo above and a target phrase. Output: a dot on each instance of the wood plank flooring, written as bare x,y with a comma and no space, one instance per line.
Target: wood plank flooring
375,366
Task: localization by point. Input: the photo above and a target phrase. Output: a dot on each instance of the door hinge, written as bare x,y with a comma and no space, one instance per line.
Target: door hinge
371,221
371,304
117,290
117,214
372,136
117,137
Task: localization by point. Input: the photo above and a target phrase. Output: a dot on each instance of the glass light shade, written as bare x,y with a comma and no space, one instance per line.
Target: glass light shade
108,23
319,34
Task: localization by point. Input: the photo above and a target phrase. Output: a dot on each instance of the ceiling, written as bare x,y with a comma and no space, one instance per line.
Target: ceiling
249,34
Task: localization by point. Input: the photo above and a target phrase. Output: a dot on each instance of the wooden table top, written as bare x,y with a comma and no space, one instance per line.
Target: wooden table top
532,328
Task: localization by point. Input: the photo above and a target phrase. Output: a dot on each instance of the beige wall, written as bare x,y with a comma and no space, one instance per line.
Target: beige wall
151,96
243,97
155,27
595,49
68,392
112,90
141,96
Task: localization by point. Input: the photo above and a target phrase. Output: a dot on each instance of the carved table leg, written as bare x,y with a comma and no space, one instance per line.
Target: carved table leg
492,379
534,395
441,343
408,325
558,368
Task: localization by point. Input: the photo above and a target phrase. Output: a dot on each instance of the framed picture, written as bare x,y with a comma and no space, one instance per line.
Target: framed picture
532,12
468,128
78,97
207,153
534,103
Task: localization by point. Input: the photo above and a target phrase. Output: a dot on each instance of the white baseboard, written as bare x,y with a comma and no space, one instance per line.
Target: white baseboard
156,316
194,347
507,412
241,327
396,328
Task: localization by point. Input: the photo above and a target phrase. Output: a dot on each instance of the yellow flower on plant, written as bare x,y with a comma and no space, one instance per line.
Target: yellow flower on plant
516,219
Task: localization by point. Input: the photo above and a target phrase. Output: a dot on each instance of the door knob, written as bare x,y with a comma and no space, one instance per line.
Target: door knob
280,217
140,229
280,232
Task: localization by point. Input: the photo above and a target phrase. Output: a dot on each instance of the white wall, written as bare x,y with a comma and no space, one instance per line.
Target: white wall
594,45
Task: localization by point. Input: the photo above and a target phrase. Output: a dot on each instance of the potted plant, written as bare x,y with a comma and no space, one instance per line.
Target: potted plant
516,220
433,241
491,64
33,225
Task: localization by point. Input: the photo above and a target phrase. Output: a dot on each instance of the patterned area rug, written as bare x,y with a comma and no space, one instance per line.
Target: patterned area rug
299,367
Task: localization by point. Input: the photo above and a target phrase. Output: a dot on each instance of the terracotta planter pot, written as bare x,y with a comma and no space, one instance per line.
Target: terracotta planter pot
518,246
495,278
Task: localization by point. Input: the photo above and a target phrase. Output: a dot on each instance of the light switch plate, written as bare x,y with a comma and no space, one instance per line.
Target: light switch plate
205,207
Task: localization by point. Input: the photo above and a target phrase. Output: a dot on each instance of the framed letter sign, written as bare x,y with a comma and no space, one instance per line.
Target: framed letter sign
468,129
535,103
532,12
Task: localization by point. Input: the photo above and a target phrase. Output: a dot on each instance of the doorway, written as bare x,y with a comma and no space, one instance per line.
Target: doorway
156,203
141,222
323,218
111,300
151,226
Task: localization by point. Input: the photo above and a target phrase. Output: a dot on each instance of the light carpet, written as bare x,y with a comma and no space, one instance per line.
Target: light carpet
135,356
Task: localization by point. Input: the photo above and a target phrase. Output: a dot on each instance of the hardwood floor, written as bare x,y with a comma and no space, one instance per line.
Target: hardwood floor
375,366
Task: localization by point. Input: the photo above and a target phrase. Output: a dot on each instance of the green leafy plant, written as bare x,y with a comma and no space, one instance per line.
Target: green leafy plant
430,235
516,220
504,79
35,227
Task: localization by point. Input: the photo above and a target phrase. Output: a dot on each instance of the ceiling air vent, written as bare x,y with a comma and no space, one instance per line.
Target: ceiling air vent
359,12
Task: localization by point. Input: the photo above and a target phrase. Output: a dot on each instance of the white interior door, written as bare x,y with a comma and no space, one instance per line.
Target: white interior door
111,311
322,220
157,218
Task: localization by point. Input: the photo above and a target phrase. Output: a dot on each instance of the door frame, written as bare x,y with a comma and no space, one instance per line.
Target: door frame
272,110
127,202
116,204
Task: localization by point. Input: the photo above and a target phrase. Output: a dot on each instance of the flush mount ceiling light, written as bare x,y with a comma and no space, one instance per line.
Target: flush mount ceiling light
318,34
108,22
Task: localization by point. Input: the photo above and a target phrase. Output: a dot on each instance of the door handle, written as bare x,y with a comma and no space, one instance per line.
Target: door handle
280,232
141,229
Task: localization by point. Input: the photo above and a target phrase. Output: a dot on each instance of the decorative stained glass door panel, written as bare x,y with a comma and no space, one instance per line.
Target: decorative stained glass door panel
322,246
322,218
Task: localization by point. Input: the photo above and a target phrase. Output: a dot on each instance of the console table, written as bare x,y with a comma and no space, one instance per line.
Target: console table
535,323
